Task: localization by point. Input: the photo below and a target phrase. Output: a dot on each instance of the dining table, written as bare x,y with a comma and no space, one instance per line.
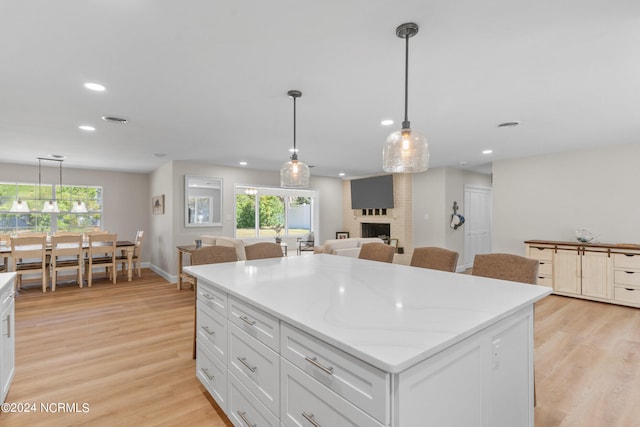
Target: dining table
127,247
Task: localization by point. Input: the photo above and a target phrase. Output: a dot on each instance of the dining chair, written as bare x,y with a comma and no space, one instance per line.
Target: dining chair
29,256
135,260
206,255
263,250
102,253
377,252
31,233
5,241
434,258
508,267
66,255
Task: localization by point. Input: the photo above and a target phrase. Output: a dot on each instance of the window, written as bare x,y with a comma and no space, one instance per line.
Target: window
35,196
272,212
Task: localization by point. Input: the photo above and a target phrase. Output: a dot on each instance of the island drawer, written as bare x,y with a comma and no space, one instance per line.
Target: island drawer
256,366
626,261
307,402
356,381
211,330
213,375
212,297
255,322
626,277
628,295
245,409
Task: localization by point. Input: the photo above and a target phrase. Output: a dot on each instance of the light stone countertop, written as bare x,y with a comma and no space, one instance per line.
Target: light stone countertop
391,316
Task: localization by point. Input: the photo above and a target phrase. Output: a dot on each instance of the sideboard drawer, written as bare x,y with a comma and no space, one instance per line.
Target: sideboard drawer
541,253
361,384
545,268
304,399
245,409
626,295
626,260
211,330
256,366
626,277
213,375
212,297
545,281
260,325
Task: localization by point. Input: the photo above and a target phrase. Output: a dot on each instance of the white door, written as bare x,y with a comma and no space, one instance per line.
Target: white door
477,226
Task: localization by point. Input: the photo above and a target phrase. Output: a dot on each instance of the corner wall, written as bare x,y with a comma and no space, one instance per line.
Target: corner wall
549,197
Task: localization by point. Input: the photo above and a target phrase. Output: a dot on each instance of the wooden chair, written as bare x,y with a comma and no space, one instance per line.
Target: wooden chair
507,267
206,255
435,258
263,250
29,256
102,253
66,254
377,252
5,240
137,250
31,233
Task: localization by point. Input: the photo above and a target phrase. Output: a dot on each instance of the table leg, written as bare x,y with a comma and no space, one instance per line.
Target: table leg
179,269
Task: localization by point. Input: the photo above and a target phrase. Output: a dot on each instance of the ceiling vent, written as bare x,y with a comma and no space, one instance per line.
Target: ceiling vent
114,119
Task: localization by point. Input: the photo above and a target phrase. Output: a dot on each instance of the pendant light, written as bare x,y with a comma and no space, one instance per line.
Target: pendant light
18,206
50,206
79,207
406,151
294,173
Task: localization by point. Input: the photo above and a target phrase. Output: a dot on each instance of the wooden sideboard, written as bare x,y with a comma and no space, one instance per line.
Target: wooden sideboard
596,271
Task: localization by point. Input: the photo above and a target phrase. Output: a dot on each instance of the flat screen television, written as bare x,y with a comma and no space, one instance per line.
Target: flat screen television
372,193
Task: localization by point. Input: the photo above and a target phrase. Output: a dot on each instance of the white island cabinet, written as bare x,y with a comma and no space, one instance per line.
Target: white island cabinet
325,340
7,338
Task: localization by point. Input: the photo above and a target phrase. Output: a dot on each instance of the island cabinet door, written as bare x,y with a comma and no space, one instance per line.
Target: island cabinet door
567,272
486,380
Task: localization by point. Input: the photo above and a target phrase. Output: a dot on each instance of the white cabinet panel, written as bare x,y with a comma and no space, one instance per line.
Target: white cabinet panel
245,410
304,399
212,374
255,322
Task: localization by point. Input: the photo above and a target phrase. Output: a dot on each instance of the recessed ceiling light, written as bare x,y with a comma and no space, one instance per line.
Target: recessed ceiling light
487,152
87,128
95,87
386,122
114,119
508,124
463,163
243,163
341,174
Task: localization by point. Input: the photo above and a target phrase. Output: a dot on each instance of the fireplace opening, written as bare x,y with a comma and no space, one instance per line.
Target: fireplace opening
370,229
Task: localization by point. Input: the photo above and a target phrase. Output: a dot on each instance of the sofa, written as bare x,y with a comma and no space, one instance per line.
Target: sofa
238,244
345,247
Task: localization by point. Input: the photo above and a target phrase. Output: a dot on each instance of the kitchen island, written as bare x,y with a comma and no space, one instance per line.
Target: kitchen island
328,340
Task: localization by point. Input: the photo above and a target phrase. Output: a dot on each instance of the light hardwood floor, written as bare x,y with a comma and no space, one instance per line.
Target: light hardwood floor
126,351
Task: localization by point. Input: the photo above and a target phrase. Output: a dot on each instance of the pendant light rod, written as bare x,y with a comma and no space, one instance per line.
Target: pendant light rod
406,31
294,94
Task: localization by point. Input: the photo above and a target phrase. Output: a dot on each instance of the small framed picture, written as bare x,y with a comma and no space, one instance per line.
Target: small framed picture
393,242
157,204
342,234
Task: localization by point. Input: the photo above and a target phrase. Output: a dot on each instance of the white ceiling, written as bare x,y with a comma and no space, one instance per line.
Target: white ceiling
206,80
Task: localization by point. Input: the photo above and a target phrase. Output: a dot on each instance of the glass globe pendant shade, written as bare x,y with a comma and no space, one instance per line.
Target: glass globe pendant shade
50,207
294,174
405,151
18,206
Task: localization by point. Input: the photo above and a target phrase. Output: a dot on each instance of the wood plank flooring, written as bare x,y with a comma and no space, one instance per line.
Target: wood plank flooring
125,350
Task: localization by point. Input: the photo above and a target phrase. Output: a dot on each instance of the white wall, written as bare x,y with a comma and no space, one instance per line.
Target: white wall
169,232
548,197
434,192
127,203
